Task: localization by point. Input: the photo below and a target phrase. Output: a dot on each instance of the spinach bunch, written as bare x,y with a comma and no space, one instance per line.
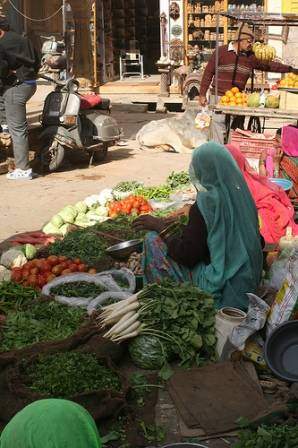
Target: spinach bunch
176,180
182,315
62,375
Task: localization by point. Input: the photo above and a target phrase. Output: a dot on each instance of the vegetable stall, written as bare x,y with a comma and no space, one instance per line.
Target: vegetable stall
77,323
280,102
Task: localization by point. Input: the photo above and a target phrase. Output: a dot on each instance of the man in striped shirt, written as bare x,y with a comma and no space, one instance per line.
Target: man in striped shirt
236,62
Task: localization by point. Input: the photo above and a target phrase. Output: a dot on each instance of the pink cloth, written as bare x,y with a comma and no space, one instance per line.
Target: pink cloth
274,207
289,140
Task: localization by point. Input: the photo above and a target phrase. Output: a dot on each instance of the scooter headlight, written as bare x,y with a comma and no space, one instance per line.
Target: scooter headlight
69,120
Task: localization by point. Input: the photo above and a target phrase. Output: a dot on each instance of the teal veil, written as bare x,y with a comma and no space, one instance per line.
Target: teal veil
233,235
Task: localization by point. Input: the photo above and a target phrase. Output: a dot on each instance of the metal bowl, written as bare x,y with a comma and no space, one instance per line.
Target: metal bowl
121,251
281,351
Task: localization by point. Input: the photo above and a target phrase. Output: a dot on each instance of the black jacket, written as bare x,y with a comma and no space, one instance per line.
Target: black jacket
14,44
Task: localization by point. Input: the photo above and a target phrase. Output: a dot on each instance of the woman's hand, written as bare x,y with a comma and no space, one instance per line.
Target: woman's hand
148,222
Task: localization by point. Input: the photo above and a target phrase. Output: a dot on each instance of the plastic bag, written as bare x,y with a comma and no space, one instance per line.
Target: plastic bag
73,301
280,268
203,119
100,300
287,297
255,321
107,280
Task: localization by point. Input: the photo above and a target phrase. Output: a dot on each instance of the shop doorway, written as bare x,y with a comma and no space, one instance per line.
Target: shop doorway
148,33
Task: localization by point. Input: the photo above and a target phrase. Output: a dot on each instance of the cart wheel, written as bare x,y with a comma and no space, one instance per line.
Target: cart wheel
254,125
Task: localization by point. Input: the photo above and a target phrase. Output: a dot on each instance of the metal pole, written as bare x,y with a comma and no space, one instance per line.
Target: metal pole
216,58
95,44
65,36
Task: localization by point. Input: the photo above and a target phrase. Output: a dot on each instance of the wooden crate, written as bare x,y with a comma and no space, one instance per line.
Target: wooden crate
289,6
288,100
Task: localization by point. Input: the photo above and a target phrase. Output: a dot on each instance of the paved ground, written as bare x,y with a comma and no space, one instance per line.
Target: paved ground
27,205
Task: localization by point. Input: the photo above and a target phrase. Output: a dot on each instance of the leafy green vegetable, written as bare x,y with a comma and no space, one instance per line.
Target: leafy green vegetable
80,243
78,289
176,180
41,321
126,186
152,433
13,296
181,316
62,375
276,436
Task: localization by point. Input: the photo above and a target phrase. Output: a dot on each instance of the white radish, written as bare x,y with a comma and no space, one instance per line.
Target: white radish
119,322
134,334
121,303
121,326
135,326
133,306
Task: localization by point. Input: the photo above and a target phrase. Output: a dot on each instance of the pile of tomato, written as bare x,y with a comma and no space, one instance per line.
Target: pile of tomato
40,271
131,205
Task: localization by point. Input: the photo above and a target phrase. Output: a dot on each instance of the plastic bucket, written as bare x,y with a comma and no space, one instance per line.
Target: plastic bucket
225,321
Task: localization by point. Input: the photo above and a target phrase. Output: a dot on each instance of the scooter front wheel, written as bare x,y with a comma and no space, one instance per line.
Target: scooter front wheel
52,156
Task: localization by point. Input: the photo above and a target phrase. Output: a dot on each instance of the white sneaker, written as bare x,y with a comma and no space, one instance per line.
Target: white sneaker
19,174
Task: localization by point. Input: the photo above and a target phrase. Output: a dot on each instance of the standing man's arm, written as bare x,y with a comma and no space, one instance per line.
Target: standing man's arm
275,67
207,79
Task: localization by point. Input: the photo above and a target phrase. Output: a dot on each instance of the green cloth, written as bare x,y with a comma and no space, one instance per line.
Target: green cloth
232,224
51,424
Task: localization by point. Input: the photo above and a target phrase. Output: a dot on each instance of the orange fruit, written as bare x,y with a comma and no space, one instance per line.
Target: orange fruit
238,100
229,93
224,99
238,95
232,103
235,90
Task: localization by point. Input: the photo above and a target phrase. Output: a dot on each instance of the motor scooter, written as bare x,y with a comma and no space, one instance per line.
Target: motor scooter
66,127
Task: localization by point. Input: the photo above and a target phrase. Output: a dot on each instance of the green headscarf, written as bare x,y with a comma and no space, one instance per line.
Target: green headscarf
51,424
232,223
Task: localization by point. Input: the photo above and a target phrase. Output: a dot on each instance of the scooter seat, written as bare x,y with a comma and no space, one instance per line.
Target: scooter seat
104,105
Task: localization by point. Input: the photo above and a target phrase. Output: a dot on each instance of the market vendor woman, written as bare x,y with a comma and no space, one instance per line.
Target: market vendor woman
220,247
236,62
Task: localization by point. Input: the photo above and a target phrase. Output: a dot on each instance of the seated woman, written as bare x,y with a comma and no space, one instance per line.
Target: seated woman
51,423
275,210
220,248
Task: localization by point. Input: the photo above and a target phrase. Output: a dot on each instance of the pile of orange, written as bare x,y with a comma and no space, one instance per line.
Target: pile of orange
234,97
290,81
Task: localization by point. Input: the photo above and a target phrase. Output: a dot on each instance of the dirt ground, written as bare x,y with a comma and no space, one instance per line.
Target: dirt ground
27,205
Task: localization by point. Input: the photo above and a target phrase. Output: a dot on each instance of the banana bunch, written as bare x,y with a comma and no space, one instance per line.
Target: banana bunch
264,52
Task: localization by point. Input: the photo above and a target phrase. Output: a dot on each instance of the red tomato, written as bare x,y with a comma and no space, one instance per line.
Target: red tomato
32,280
26,274
73,267
66,272
52,259
41,281
82,267
62,258
50,277
57,269
92,271
16,275
77,261
34,271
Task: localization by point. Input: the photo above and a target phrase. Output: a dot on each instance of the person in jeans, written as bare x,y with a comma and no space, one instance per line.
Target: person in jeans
236,62
18,88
